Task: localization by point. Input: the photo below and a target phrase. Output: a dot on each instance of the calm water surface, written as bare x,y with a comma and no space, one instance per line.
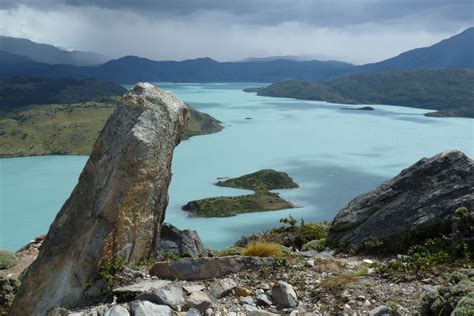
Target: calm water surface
333,154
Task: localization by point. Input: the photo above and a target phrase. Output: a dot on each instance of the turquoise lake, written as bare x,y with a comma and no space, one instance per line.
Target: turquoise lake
334,154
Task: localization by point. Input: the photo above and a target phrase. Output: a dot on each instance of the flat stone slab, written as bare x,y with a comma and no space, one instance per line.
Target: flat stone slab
143,286
207,268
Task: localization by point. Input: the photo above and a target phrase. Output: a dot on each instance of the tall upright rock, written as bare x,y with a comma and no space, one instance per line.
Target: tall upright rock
418,203
116,209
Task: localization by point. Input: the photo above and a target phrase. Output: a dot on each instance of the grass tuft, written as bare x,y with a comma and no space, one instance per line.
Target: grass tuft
263,249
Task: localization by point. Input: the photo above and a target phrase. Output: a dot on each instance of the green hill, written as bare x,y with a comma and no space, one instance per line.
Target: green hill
450,91
70,129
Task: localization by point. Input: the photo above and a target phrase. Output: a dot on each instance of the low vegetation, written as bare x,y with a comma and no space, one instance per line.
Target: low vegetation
230,251
447,90
437,254
7,259
293,234
263,249
456,298
434,254
262,200
338,282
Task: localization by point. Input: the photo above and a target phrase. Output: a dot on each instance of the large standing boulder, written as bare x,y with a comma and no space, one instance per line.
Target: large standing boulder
418,203
116,209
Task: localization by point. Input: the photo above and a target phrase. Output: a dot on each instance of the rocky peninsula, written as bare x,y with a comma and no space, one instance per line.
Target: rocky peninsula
261,182
109,253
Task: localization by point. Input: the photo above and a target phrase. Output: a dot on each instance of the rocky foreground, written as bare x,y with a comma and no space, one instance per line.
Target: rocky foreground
404,248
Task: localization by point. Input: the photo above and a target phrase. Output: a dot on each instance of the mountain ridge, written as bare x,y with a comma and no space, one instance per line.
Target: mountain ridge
454,52
47,53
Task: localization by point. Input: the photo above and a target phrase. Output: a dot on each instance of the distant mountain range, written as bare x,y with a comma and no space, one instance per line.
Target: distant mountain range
48,54
28,58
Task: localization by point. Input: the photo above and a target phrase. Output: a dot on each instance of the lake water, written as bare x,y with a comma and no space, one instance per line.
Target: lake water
334,154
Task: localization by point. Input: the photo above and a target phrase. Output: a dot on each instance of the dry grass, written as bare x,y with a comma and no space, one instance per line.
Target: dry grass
338,282
328,266
263,249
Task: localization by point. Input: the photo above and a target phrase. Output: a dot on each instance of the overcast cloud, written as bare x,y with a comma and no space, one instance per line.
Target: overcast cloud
357,31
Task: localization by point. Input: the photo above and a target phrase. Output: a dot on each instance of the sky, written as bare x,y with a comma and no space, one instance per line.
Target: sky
356,31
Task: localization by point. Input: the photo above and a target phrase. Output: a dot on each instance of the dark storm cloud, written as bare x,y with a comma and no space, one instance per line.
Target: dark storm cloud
357,31
322,13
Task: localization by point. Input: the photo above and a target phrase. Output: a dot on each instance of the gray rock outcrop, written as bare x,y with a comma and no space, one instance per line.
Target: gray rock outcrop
222,287
183,243
199,300
171,296
145,308
116,209
420,201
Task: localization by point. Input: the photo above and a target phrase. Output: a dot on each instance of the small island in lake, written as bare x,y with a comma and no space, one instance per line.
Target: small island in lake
364,108
262,200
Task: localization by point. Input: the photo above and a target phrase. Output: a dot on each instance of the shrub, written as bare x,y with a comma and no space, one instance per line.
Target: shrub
309,232
435,252
263,249
462,223
456,298
109,269
318,245
7,259
290,220
362,270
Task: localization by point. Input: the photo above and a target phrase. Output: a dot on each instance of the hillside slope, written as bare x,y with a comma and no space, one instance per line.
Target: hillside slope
21,91
71,129
439,89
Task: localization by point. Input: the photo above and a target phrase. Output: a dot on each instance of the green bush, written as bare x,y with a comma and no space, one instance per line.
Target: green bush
456,298
318,245
302,233
7,259
311,232
435,252
109,269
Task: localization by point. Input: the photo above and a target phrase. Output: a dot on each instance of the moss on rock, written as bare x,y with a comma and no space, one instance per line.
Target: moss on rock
318,245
